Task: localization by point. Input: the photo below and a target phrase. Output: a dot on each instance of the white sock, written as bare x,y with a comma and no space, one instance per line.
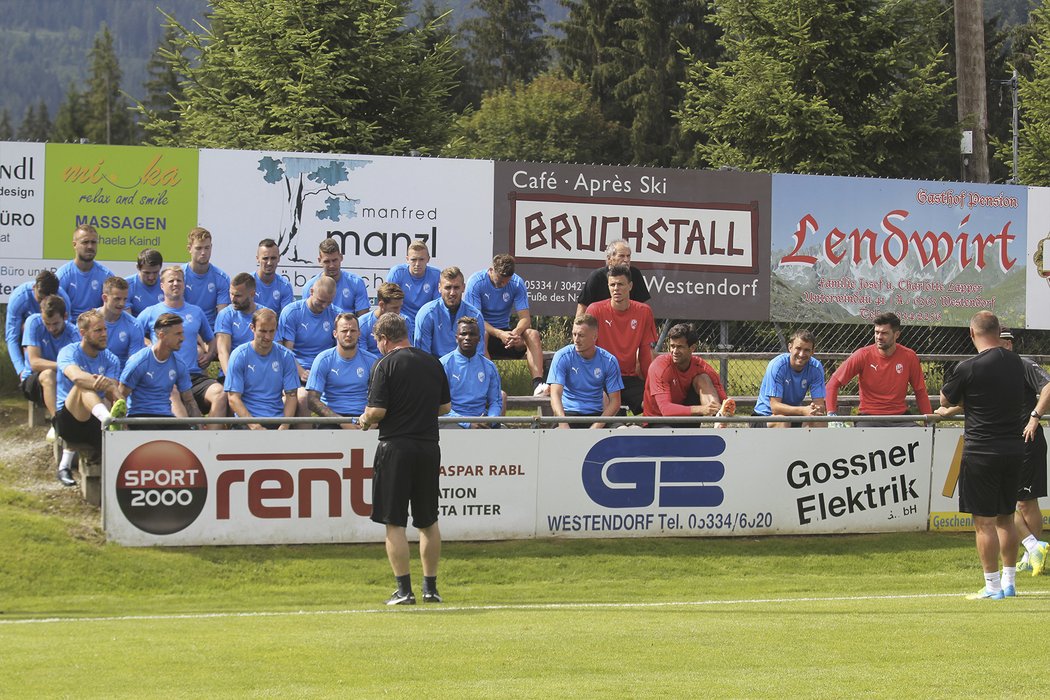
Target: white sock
1009,575
1030,544
67,459
100,411
992,582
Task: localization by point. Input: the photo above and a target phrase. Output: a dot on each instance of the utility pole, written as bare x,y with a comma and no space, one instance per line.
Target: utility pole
972,90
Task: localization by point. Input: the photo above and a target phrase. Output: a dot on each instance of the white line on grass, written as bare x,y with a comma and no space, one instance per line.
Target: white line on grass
476,608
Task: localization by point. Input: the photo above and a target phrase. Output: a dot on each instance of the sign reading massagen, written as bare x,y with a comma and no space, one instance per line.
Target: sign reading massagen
135,197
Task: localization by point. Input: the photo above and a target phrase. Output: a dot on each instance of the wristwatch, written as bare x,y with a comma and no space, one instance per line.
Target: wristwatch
1035,414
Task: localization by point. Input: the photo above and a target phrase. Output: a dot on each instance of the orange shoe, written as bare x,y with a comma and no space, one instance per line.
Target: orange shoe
728,408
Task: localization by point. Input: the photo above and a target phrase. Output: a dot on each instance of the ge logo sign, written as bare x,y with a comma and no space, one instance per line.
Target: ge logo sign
631,471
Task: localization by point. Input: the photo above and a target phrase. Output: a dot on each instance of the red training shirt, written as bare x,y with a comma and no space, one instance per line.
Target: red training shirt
629,335
666,386
883,381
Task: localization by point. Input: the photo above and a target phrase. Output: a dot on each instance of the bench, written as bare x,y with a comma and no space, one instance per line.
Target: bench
89,463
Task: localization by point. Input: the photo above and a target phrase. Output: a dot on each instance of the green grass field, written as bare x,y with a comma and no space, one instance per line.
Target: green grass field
876,615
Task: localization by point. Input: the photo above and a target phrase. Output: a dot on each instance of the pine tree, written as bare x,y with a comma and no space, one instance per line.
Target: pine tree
7,132
70,124
163,88
310,75
856,87
36,124
108,119
1034,141
630,54
505,44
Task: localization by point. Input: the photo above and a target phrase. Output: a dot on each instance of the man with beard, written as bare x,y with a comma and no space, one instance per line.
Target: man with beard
305,328
233,324
262,380
681,384
473,380
88,384
23,303
153,374
338,383
45,334
82,278
886,368
206,285
351,294
436,321
144,286
271,290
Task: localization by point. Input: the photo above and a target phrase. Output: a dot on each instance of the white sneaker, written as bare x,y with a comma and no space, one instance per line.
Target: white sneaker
543,389
50,435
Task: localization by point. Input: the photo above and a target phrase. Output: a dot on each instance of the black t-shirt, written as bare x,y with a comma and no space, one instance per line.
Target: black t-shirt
992,388
1037,377
596,288
410,384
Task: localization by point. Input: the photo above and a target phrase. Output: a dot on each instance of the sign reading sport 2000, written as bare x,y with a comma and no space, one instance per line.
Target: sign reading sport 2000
256,488
710,245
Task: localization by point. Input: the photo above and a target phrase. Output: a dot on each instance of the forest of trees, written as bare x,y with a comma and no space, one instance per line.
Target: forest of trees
845,87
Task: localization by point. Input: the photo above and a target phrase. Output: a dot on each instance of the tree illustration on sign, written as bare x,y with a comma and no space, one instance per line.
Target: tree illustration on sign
304,179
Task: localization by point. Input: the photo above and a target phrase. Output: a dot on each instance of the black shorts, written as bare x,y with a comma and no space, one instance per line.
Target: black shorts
406,472
31,388
75,432
577,426
199,385
631,395
988,484
1032,482
497,351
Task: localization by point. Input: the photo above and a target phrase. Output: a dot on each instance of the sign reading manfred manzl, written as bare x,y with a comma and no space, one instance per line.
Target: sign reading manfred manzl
699,238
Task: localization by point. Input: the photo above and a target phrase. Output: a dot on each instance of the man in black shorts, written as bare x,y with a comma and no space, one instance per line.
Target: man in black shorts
991,387
1028,517
408,391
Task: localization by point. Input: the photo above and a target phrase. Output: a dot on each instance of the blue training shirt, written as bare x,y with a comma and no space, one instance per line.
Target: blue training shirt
84,288
474,383
105,364
141,296
261,380
208,290
350,292
20,306
310,333
124,337
584,381
151,380
194,323
368,322
436,328
497,303
342,383
788,385
418,290
276,295
36,334
235,324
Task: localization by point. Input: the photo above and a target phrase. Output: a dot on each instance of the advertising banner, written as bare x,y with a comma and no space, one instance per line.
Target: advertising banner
21,214
699,238
847,249
375,206
944,483
707,482
1037,258
247,487
135,196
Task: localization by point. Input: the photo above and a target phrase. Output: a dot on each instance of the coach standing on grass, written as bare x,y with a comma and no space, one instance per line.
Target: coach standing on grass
408,391
990,387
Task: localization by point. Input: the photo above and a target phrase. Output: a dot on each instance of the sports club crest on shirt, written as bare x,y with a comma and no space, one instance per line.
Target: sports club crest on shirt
598,372
634,324
276,294
805,383
426,288
171,374
506,296
360,371
899,368
275,366
211,287
94,284
327,326
481,376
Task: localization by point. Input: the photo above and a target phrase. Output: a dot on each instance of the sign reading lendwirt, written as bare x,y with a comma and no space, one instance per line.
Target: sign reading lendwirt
848,249
699,238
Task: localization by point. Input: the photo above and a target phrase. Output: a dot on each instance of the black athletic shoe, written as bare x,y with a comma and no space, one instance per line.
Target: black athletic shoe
399,598
431,597
66,477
